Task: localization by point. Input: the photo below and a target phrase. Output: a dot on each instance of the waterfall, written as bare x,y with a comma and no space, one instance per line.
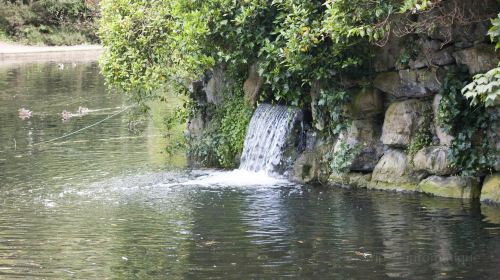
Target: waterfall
267,138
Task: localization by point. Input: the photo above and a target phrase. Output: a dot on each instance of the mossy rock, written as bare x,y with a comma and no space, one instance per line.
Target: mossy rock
352,179
399,187
453,187
491,189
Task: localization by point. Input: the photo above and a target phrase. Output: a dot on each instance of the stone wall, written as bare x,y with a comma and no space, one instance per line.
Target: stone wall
388,115
403,99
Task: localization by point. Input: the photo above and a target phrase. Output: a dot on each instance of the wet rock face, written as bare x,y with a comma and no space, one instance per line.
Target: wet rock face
433,160
454,187
306,168
402,120
491,189
409,83
478,59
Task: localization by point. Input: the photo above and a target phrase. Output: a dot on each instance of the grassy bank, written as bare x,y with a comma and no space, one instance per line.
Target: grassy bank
48,22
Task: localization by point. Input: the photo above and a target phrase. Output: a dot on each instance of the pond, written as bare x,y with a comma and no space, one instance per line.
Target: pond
108,203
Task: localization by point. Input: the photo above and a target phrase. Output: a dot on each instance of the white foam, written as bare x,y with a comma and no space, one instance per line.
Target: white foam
236,178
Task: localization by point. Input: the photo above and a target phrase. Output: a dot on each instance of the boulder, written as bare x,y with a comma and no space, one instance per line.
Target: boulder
454,187
444,138
479,59
319,123
351,179
385,57
494,138
491,189
433,160
216,85
366,103
195,126
306,168
409,83
367,134
253,85
468,24
393,172
402,120
432,54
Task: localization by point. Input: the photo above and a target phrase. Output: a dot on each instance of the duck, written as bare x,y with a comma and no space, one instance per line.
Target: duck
83,110
66,115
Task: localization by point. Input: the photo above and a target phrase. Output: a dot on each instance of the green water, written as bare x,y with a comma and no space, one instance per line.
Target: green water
108,204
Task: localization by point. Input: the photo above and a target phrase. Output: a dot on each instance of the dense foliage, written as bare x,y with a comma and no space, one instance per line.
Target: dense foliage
150,43
485,88
471,125
222,141
308,52
50,22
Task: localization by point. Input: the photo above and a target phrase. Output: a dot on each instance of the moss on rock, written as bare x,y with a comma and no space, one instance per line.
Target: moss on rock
491,189
454,187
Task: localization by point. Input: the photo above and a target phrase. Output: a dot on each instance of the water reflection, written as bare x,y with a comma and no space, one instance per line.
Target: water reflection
46,90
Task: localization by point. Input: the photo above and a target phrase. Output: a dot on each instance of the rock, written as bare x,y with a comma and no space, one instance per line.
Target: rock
454,187
195,126
306,168
216,85
366,133
479,59
319,123
366,103
433,160
393,172
444,138
409,83
352,179
432,54
385,57
402,120
491,189
468,23
253,85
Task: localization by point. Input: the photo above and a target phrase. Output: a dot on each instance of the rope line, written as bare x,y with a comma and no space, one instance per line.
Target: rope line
84,128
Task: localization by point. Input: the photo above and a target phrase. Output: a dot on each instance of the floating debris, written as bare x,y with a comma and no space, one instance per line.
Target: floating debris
24,113
66,115
364,255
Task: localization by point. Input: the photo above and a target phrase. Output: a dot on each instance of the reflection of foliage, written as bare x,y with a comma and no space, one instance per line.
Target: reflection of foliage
472,127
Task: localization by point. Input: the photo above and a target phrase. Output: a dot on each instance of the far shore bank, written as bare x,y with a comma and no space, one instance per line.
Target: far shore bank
11,53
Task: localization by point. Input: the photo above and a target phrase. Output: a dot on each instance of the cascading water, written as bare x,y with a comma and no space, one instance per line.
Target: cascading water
267,137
